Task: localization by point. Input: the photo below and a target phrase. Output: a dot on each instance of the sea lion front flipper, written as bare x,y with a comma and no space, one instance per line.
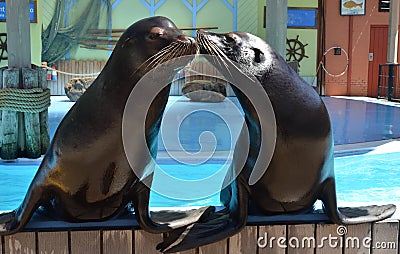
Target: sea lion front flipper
6,219
218,226
351,215
14,221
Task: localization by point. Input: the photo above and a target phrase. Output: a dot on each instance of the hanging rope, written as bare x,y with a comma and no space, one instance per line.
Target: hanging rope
33,100
72,74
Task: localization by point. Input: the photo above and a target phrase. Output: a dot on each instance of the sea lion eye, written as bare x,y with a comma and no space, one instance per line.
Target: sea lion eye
154,36
258,55
229,38
155,33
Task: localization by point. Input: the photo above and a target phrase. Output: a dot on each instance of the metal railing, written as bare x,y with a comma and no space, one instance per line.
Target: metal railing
389,82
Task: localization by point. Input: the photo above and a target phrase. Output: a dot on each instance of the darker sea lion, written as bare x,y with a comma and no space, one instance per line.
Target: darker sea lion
301,169
85,175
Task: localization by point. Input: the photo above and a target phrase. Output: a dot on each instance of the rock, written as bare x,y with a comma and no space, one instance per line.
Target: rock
76,87
205,90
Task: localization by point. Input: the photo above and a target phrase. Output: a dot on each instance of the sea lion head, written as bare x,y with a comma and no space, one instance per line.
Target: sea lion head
148,43
253,55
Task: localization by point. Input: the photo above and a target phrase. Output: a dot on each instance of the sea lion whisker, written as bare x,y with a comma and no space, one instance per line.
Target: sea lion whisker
220,53
221,58
161,55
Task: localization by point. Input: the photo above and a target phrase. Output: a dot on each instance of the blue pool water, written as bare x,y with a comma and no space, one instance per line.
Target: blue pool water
359,178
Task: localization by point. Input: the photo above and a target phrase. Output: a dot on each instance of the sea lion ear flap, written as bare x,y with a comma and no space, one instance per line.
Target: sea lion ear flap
128,41
258,55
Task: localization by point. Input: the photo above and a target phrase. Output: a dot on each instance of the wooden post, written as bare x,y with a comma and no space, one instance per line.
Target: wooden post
9,148
1,129
44,115
18,34
276,25
393,31
33,147
25,134
19,55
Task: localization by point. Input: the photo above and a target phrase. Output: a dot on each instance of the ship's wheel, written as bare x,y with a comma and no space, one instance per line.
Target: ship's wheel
295,50
3,47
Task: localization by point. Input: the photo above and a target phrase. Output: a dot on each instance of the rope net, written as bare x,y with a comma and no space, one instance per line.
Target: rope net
60,36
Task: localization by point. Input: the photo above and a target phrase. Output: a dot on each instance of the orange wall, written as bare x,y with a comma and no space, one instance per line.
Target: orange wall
337,34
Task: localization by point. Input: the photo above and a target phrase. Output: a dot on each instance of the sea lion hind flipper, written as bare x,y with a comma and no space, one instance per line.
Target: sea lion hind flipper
178,219
199,234
363,214
351,215
217,226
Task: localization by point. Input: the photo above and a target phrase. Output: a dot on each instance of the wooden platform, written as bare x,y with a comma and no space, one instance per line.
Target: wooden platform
376,238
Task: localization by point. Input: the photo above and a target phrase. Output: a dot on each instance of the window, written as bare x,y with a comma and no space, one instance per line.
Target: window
384,5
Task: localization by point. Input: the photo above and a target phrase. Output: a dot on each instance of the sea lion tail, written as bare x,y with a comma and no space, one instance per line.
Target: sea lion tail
215,227
351,215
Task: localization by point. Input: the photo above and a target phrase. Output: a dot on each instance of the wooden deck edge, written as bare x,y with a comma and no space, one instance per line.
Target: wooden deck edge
380,237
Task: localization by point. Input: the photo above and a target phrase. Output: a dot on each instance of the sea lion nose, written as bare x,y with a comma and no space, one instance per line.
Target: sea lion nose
186,38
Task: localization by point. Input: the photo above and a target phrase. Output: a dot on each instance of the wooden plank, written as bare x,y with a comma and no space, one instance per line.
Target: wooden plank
43,116
9,148
192,251
325,232
33,146
117,241
73,69
18,34
84,67
80,67
354,238
91,68
85,242
98,42
385,237
20,243
300,238
244,242
146,242
271,239
220,247
53,242
67,66
96,67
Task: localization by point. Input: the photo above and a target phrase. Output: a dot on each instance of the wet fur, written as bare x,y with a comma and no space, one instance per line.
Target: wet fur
85,175
301,169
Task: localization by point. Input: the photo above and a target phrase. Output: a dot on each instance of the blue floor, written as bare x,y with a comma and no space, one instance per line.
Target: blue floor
353,121
356,121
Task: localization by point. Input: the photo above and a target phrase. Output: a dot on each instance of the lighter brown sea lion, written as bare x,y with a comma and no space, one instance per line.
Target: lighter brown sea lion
85,175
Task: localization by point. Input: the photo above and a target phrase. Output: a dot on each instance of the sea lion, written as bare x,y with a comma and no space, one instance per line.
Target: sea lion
85,174
301,169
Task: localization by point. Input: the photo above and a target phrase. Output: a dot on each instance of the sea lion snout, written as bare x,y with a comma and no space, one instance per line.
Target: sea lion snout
186,39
